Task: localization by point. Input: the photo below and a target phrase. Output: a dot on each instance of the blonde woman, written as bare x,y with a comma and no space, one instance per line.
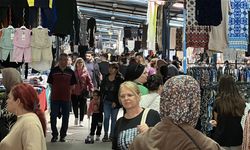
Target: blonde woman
82,88
128,126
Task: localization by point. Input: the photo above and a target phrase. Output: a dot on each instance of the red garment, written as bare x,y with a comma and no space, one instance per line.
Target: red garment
84,82
94,106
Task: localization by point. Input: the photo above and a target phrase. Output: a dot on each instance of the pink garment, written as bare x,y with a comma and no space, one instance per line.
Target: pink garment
94,106
84,82
22,46
151,71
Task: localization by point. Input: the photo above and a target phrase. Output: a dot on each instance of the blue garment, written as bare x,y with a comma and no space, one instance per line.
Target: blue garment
109,112
59,108
238,25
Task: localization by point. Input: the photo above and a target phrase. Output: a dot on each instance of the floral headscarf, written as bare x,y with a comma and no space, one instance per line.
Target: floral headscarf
180,100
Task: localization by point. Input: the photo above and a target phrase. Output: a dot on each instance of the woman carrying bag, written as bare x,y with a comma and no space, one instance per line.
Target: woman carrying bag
83,87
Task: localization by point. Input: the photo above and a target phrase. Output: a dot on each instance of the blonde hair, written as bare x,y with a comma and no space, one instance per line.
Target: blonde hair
77,60
133,87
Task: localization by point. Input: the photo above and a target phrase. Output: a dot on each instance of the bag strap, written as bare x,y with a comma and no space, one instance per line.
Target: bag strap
144,115
189,136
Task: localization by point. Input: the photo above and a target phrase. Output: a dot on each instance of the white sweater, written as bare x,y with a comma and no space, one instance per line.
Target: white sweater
151,100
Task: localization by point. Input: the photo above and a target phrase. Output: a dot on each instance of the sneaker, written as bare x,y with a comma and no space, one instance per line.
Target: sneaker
110,138
105,138
54,139
62,139
76,122
81,124
97,138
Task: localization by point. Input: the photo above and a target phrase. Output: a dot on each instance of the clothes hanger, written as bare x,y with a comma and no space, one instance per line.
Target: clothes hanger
10,27
23,27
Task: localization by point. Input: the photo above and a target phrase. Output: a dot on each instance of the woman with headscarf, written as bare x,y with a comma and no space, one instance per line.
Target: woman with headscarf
179,110
10,78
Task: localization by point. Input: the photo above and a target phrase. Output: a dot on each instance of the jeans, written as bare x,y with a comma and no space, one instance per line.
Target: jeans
56,108
109,112
77,102
96,124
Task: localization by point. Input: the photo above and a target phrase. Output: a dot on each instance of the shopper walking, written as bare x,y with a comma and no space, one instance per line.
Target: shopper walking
30,129
109,90
136,119
95,110
81,91
62,80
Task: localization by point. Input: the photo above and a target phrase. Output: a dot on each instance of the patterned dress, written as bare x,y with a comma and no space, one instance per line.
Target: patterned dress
238,25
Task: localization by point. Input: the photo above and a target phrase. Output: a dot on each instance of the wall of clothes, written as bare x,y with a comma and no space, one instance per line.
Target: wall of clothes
208,77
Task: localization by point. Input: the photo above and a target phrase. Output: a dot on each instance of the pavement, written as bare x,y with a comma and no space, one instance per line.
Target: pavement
76,136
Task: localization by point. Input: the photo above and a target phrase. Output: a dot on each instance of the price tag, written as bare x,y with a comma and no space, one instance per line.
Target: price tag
12,36
23,37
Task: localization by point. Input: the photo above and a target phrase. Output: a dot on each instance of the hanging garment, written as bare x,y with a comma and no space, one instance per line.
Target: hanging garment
19,13
83,30
159,27
197,36
144,37
191,21
152,18
6,42
91,28
4,10
22,47
64,22
179,33
172,38
238,25
40,3
218,34
41,45
208,12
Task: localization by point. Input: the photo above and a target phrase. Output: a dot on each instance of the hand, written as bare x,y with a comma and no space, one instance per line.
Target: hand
142,128
113,105
213,123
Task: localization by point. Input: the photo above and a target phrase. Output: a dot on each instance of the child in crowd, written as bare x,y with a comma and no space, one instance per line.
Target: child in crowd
95,110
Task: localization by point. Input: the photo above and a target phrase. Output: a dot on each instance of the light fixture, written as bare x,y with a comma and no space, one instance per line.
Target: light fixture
178,5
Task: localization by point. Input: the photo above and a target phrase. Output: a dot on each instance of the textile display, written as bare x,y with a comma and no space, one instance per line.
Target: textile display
238,25
208,12
197,36
159,27
218,34
179,38
152,17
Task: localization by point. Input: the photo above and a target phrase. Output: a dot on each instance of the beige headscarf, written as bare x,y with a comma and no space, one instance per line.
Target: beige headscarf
11,77
180,100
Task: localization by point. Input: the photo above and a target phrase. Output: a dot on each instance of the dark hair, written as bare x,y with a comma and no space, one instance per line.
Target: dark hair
63,55
229,100
29,98
90,52
153,82
97,92
114,65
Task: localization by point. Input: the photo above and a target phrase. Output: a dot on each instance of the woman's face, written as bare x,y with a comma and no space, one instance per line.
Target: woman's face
112,70
128,98
79,64
144,76
12,104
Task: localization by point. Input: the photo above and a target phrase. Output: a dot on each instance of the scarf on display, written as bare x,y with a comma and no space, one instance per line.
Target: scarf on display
238,25
180,100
